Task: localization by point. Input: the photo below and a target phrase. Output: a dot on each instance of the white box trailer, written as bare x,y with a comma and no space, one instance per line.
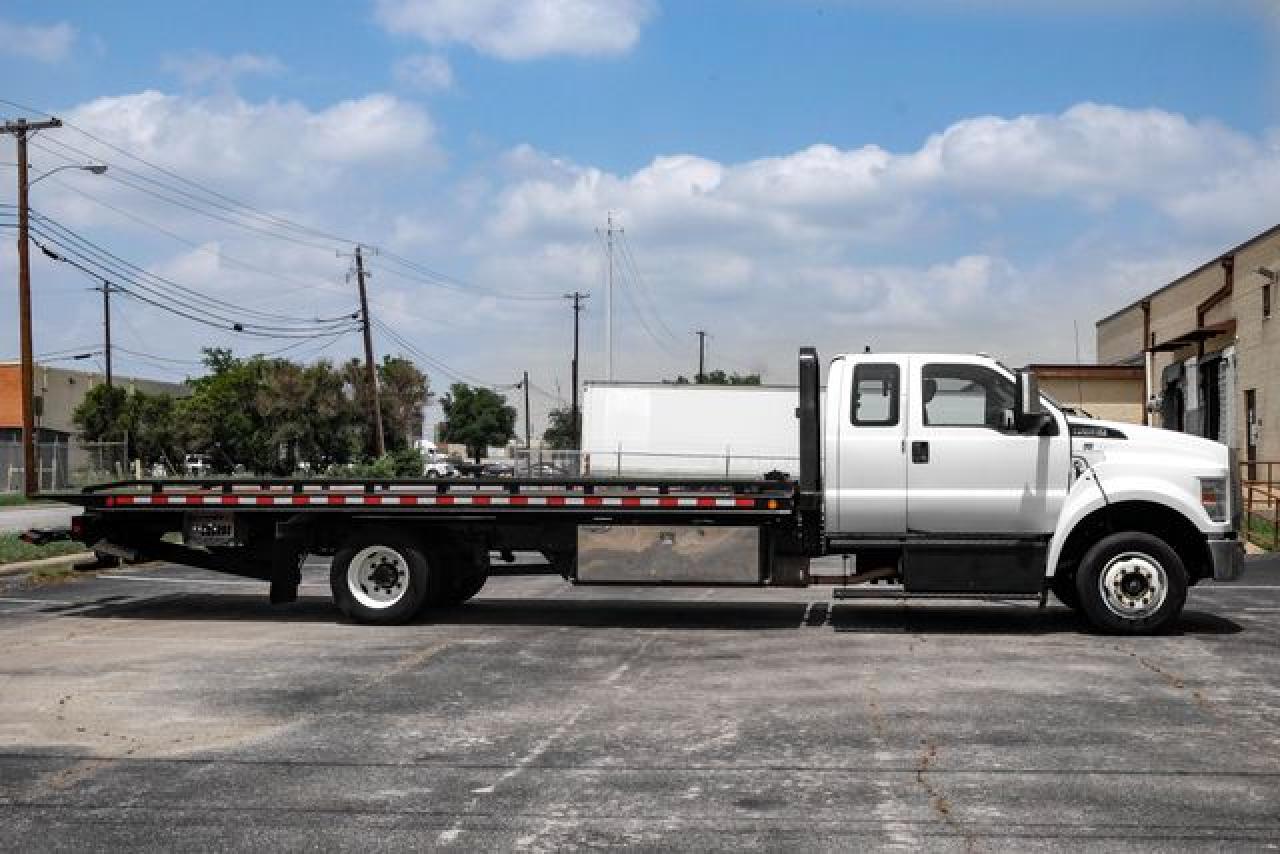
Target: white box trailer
643,429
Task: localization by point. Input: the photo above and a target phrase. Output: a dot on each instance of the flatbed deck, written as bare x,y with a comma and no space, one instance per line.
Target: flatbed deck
590,497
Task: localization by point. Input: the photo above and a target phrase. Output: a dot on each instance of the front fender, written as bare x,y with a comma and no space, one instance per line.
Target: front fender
1098,488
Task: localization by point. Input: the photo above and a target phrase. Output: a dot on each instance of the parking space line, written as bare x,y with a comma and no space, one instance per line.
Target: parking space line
216,581
35,601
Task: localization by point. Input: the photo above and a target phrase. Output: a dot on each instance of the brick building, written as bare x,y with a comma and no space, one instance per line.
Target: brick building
1209,348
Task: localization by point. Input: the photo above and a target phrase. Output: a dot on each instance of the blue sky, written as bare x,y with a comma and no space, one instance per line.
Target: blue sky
970,174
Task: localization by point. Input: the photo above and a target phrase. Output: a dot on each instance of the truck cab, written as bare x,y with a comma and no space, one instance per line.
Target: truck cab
954,471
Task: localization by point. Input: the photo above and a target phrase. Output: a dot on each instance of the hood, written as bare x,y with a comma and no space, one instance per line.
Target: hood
1190,451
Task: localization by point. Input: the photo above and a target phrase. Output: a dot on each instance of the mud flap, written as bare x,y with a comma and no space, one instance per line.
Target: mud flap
288,550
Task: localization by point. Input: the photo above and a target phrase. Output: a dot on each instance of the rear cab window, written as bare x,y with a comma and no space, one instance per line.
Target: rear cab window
875,395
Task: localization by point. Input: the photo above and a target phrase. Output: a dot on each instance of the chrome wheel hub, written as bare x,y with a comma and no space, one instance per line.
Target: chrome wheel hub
378,577
1133,585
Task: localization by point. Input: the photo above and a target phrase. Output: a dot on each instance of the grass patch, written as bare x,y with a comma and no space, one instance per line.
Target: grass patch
14,550
17,499
1262,533
52,575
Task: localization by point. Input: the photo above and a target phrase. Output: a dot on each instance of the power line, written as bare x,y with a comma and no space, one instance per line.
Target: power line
188,297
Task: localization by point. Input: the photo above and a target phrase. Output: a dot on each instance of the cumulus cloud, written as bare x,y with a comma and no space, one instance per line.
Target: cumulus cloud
199,68
427,72
44,43
529,29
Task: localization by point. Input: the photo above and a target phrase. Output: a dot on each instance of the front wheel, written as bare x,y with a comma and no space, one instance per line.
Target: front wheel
1131,583
379,577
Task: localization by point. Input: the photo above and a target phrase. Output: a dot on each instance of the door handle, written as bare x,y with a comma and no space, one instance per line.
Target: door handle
919,452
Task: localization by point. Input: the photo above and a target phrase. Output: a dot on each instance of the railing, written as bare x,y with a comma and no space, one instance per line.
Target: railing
1261,502
63,465
619,462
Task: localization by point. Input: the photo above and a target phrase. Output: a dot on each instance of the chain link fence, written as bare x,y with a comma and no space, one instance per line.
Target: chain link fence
539,463
64,465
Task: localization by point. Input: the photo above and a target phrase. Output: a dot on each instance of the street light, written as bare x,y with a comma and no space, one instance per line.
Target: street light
95,168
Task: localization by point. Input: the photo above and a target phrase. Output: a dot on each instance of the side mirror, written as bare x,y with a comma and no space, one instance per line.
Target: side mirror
1030,415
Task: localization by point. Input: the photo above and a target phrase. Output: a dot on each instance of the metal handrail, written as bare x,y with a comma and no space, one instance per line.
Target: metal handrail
1261,500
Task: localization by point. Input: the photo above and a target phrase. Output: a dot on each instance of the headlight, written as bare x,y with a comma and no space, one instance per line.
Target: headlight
1213,497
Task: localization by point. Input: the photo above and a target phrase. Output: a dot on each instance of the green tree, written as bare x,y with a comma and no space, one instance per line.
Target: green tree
561,434
221,417
404,395
477,418
307,415
146,422
719,378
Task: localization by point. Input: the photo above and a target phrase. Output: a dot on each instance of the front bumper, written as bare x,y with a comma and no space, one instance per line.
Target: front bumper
1227,557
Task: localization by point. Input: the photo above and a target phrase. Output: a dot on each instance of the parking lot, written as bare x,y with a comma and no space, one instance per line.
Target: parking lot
163,708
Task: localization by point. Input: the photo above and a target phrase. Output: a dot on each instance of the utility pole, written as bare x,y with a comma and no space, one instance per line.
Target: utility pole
106,327
702,355
30,474
577,309
525,383
371,371
609,233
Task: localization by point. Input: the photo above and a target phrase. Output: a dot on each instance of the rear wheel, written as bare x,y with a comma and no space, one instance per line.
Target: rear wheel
1132,583
380,577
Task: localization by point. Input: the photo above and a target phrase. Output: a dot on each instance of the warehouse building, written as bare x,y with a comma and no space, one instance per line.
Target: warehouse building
1208,348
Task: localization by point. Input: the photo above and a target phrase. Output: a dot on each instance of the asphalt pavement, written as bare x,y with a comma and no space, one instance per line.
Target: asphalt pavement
171,709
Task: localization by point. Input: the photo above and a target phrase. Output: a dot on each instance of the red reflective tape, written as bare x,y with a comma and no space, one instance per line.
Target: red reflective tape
555,500
630,501
373,499
668,502
706,502
336,499
301,499
228,499
263,500
519,499
408,499
745,502
480,499
159,499
444,499
112,500
191,499
593,501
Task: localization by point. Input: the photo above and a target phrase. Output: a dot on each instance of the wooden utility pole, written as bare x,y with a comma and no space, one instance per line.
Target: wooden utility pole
106,328
20,129
576,420
525,383
371,370
702,355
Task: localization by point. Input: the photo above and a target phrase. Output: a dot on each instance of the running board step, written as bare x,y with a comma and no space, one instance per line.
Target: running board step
872,593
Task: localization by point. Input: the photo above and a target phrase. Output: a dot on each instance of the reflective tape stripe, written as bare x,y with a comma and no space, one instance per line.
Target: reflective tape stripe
276,499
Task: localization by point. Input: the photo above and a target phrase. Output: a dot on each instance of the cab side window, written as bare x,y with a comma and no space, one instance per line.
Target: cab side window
875,395
967,396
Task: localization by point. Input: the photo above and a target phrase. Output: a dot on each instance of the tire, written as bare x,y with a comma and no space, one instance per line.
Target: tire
1064,587
379,576
1131,583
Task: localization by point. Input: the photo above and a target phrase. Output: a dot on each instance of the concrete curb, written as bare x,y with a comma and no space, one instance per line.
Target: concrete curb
26,566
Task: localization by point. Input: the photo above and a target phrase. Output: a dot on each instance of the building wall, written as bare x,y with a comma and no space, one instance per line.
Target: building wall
1252,352
1107,399
62,391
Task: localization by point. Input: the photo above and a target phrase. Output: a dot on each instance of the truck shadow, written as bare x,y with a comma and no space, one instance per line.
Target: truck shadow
888,617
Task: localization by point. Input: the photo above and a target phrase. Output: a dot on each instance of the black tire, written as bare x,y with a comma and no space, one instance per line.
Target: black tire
391,580
1137,566
1064,587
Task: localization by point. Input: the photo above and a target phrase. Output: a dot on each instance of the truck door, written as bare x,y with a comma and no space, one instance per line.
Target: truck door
970,471
867,420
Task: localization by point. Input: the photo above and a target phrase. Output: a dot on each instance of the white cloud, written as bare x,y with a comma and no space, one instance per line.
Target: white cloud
428,72
43,43
199,68
528,29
